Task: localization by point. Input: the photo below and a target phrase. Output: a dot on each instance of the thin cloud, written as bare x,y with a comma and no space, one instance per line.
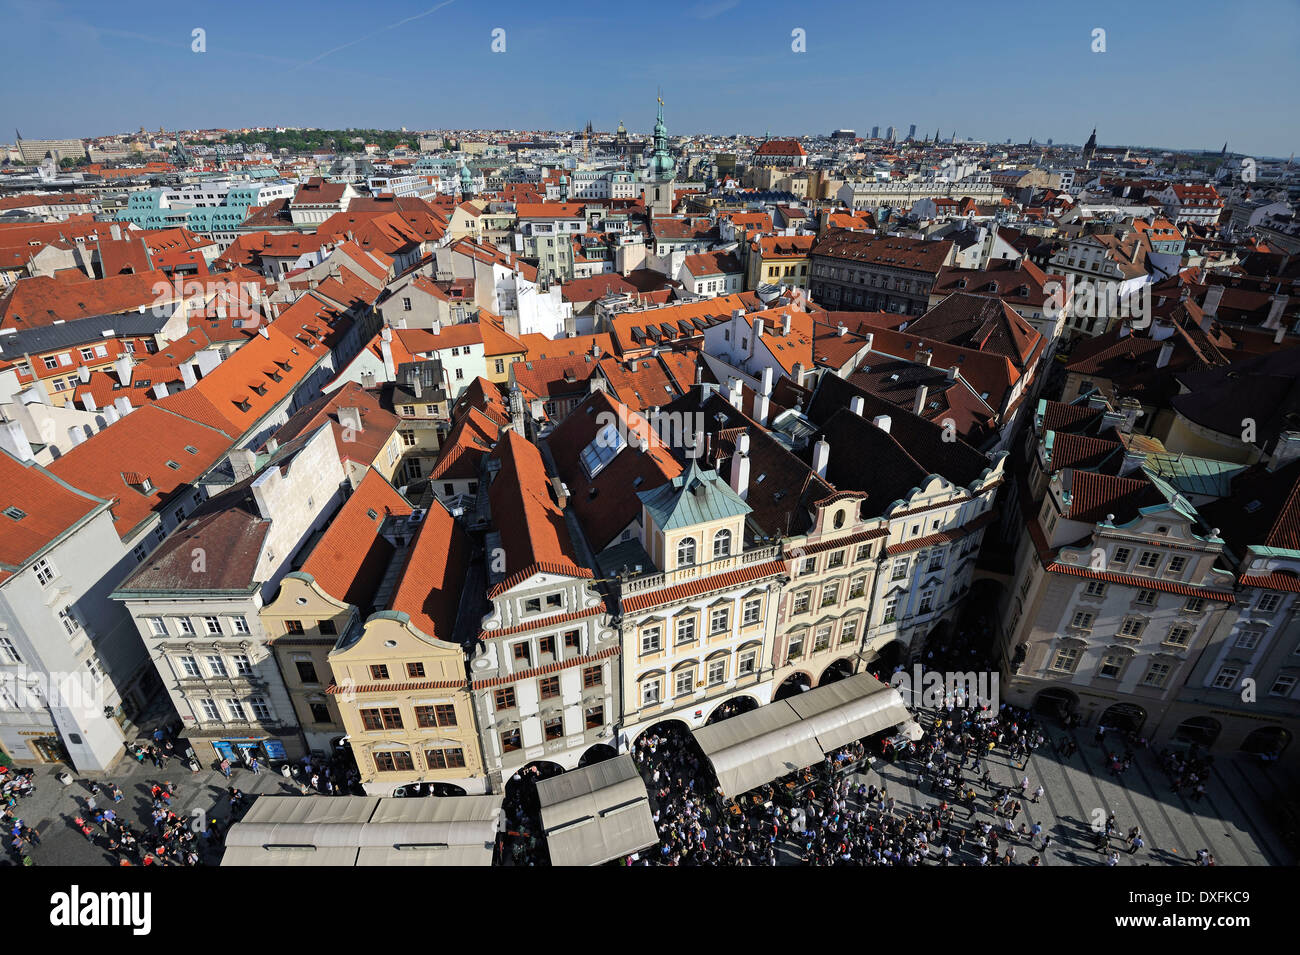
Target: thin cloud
371,36
707,11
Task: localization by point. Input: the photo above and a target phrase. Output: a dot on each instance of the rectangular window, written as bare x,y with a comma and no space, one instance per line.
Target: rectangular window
807,566
1179,636
1176,565
293,626
216,665
1132,627
747,663
927,602
685,630
546,645
45,572
210,711
830,595
718,620
864,552
900,569
191,667
156,626
1122,554
1282,686
184,627
891,609
1268,603
69,621
213,626
650,690
1246,640
848,632
236,709
1095,588
684,682
243,665
650,640
320,713
1149,560
795,650
550,687
415,671
836,560
306,671
394,761
1066,659
504,698
553,728
592,676
261,711
821,639
240,624
1157,675
1146,598
1194,605
1226,678
857,587
572,640
801,602
1082,621
752,610
1112,665
379,671
595,716
717,672
327,628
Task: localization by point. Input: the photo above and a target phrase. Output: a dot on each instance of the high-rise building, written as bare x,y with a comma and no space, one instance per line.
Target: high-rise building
911,132
891,134
875,132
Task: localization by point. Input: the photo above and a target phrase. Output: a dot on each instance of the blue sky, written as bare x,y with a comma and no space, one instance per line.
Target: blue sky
1189,74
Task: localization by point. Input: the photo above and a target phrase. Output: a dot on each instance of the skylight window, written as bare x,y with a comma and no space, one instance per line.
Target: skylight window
16,513
602,450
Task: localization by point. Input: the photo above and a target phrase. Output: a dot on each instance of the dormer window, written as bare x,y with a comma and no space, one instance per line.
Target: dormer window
722,544
686,552
603,449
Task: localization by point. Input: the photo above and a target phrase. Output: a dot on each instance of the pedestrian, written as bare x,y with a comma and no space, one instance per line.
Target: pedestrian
1038,794
255,766
1137,844
225,768
90,804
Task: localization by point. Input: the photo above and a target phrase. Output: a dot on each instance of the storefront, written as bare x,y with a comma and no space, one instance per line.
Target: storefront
244,749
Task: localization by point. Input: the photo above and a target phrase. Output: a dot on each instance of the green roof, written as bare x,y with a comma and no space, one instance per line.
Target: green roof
693,497
1193,475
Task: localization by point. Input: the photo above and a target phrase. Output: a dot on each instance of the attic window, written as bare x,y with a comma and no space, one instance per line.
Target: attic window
243,404
173,465
259,389
372,514
601,450
1253,506
191,449
16,513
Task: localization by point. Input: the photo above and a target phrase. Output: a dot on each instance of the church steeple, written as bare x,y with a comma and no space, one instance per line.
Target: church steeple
1090,147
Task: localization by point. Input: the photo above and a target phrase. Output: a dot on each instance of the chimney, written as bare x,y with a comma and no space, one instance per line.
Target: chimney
111,415
595,352
187,374
14,440
868,340
1285,451
264,489
841,329
857,405
242,463
1213,296
740,465
76,435
1277,304
699,374
821,458
264,332
123,368
797,374
83,373
351,418
883,421
115,231
1166,352
88,402
758,328
272,445
1279,335
918,406
123,406
159,390
735,394
924,356
390,369
417,387
785,323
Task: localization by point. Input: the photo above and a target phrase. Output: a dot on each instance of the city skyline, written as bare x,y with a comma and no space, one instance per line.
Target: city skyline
747,65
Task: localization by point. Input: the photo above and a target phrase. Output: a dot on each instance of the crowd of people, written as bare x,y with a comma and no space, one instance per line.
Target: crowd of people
169,839
826,815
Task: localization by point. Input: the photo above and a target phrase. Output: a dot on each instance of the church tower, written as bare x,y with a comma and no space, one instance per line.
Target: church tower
661,172
1090,147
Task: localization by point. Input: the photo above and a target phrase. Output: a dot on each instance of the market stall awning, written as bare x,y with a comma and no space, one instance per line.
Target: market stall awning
767,743
365,830
596,814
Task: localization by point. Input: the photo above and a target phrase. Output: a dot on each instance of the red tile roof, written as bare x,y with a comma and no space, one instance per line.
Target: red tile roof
435,574
49,509
1147,583
701,585
351,557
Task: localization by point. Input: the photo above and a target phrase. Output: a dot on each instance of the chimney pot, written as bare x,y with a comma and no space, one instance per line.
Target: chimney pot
821,457
857,405
883,421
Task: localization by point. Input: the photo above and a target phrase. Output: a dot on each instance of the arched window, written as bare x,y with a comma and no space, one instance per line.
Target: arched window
722,544
686,552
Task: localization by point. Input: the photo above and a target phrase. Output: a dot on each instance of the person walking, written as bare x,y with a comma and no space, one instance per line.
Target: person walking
225,768
1038,794
255,766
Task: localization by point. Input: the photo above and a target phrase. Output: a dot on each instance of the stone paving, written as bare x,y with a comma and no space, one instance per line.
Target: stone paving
1230,821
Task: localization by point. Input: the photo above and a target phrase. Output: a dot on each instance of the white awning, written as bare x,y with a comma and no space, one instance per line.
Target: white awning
767,743
365,830
596,814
